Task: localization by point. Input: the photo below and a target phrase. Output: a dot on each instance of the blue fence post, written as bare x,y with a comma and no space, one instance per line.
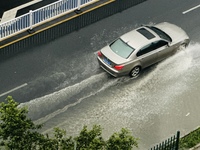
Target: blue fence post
31,19
79,4
1,31
78,10
30,30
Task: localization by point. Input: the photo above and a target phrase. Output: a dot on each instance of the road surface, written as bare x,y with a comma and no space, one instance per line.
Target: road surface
63,86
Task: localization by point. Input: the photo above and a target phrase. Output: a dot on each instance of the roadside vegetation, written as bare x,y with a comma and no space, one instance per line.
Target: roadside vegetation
190,140
18,132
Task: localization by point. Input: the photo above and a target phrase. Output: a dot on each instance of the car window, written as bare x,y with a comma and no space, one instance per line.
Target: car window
145,50
151,47
121,48
159,44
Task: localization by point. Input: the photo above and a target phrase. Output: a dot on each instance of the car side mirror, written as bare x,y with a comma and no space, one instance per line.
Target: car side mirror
168,44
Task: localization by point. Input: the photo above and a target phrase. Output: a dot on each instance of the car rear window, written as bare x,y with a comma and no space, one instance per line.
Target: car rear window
145,33
121,48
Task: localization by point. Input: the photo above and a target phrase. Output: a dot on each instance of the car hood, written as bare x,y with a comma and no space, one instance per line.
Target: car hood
107,52
176,33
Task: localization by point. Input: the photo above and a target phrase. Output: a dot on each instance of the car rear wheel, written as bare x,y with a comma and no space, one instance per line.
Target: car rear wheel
135,72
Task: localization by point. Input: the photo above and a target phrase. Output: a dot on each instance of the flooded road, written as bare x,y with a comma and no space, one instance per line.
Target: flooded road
153,106
66,88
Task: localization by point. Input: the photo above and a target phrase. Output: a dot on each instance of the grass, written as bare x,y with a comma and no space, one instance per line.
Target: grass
190,140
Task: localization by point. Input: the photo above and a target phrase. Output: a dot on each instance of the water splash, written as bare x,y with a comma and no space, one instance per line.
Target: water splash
71,95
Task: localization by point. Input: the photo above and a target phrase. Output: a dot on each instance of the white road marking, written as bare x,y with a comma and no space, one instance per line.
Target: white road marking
21,86
193,8
187,114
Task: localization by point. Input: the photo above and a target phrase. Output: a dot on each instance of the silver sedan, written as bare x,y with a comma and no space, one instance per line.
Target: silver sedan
140,48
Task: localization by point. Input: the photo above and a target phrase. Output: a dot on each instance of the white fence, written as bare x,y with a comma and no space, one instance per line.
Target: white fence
29,20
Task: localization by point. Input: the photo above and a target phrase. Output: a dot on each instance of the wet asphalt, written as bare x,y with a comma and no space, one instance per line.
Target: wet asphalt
66,88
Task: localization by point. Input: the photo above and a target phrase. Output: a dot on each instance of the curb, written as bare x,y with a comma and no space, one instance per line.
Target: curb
196,147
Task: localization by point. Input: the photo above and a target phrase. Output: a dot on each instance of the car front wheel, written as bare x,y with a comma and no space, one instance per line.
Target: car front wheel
183,46
135,72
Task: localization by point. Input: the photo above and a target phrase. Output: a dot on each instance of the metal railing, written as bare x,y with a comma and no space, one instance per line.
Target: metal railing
170,144
35,17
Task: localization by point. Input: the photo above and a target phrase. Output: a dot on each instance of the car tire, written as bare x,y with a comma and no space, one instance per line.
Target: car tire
135,72
183,46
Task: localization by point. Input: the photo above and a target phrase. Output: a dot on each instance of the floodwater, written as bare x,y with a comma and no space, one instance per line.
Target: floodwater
161,101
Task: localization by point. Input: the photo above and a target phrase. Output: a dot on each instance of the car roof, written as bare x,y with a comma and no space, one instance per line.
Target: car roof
139,37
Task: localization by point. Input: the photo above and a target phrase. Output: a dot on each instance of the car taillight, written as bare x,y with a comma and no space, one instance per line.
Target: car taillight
99,54
119,67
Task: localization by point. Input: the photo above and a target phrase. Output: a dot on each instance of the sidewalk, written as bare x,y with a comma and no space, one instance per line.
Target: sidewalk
10,4
11,14
65,17
197,147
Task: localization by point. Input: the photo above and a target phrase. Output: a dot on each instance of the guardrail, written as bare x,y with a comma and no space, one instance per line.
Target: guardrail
170,144
35,17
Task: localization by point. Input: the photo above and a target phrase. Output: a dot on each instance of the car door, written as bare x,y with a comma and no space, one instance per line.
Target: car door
164,50
147,55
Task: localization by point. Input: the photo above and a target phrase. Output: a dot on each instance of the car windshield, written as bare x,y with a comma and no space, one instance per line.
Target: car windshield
121,48
160,33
